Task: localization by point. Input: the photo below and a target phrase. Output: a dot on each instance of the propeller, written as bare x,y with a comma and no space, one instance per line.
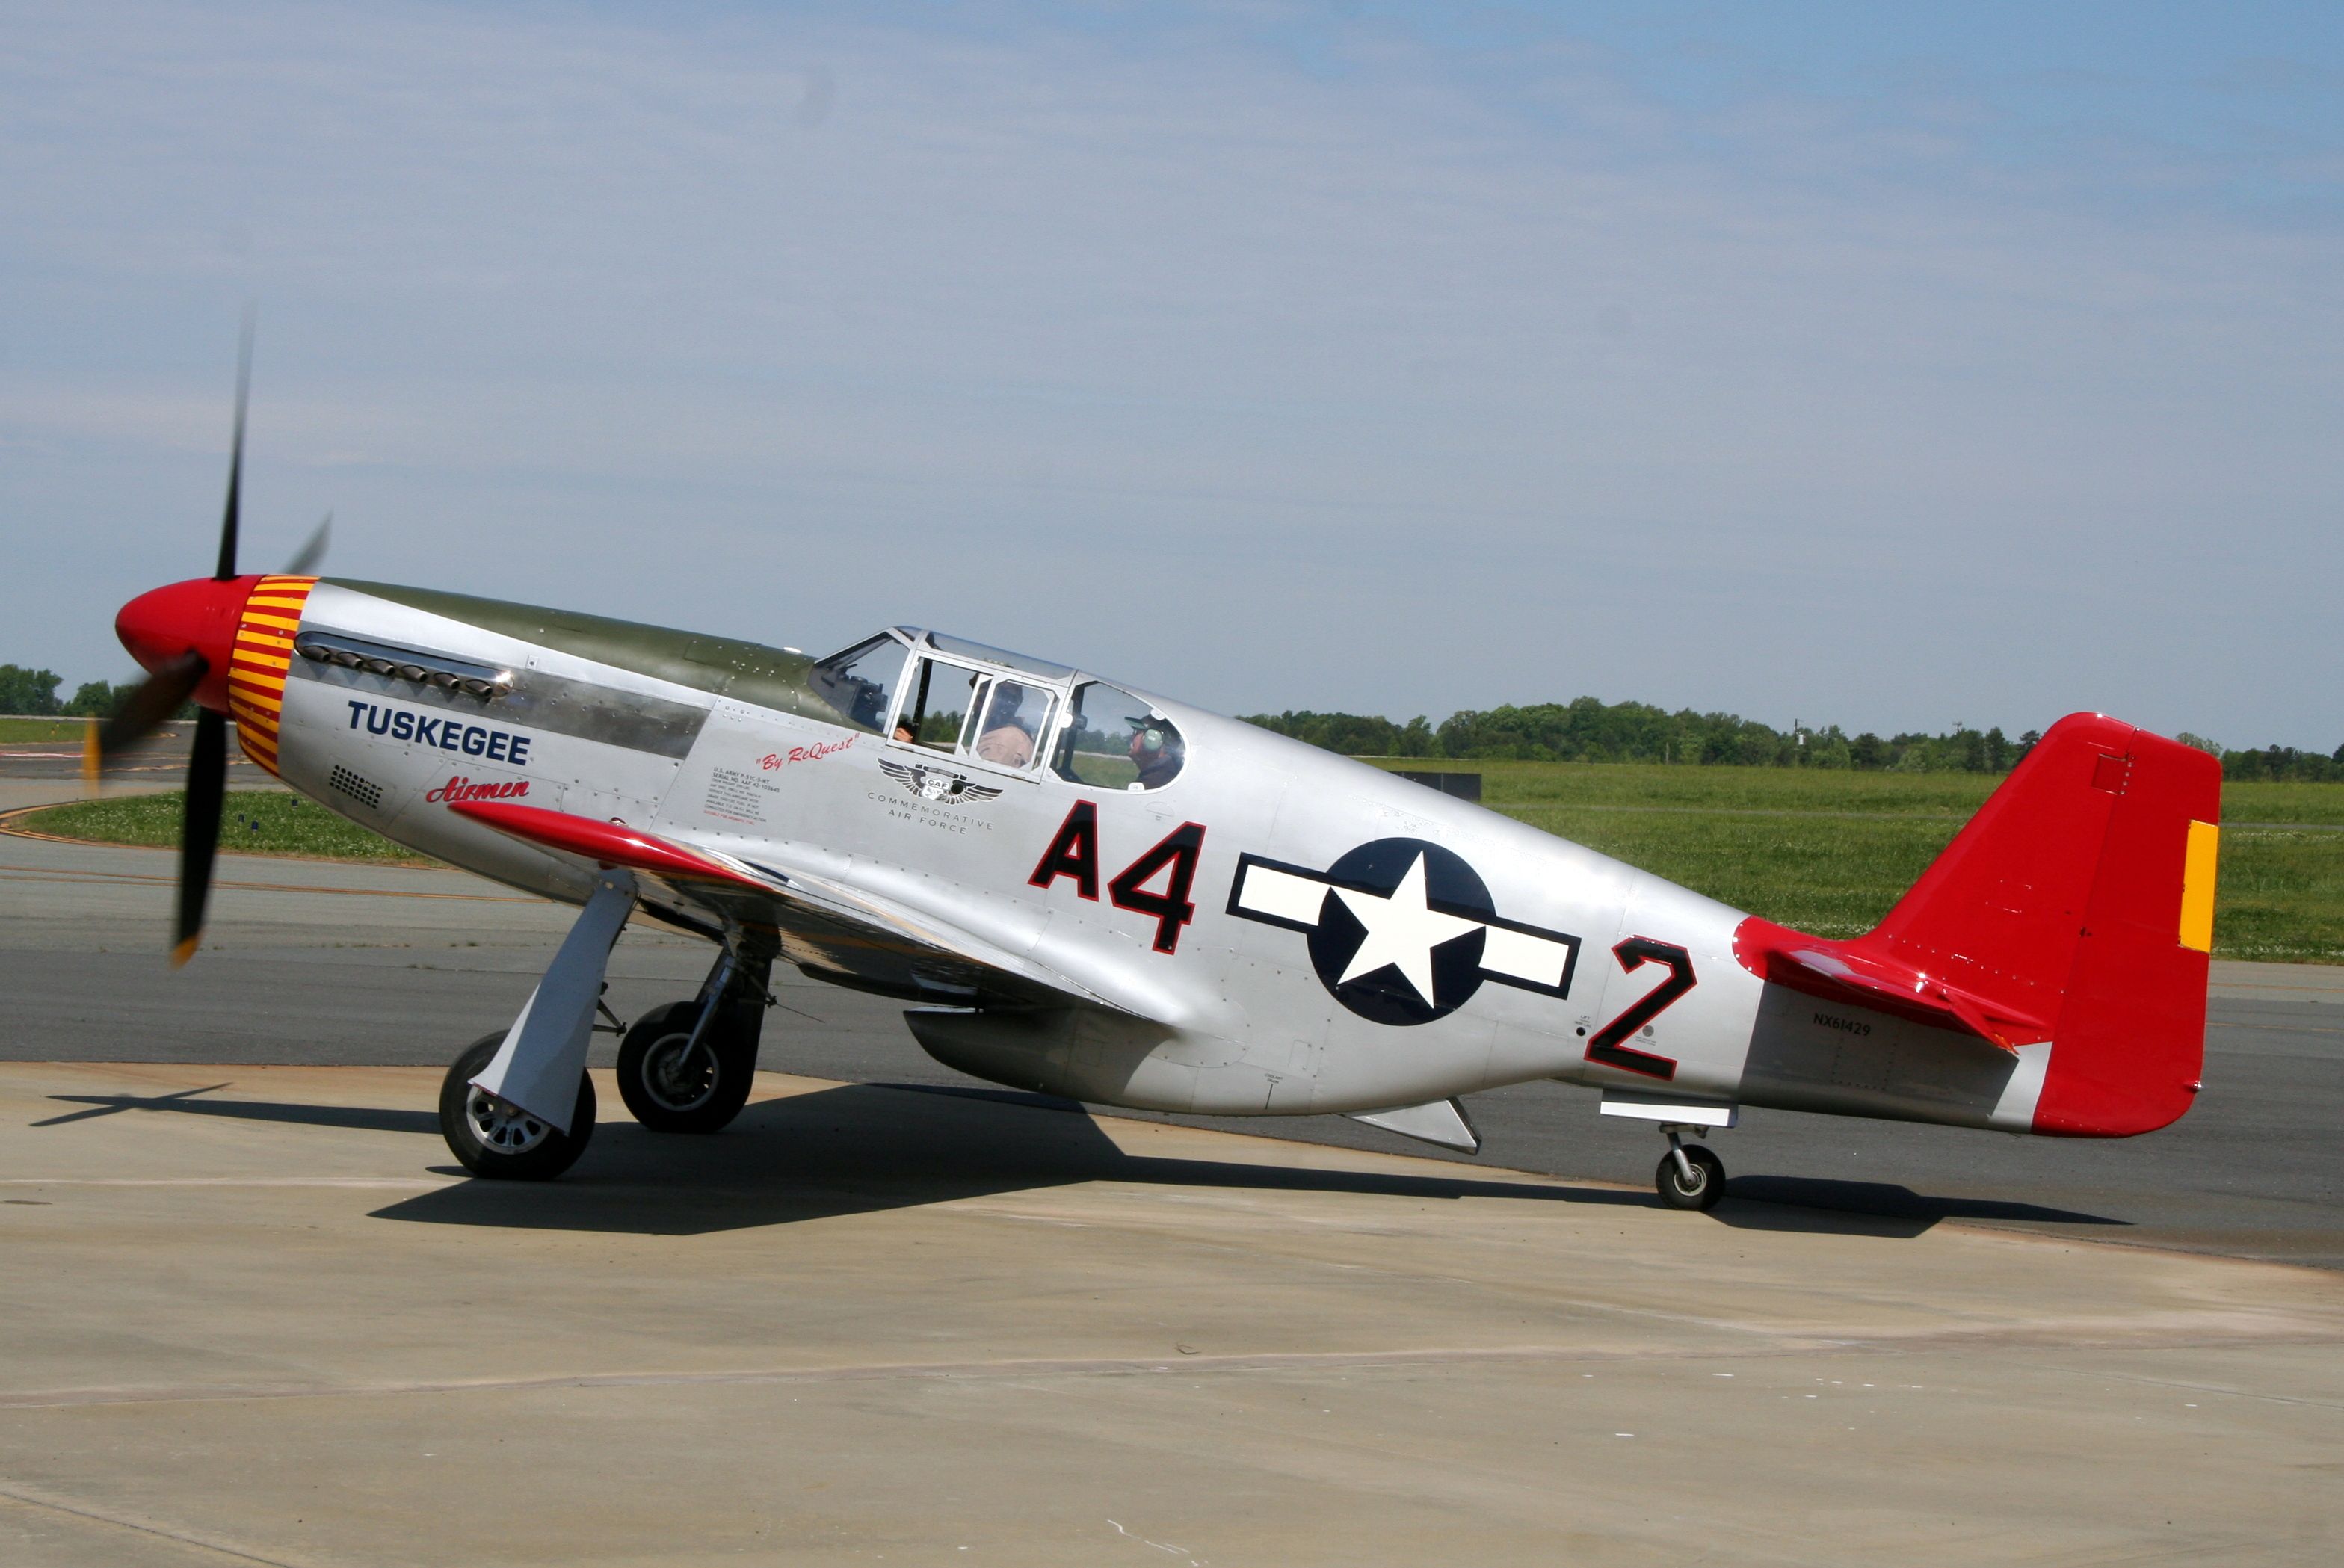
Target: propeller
171,680
312,553
199,830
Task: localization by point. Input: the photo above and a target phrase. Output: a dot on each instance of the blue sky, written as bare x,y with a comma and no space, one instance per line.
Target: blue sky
1885,365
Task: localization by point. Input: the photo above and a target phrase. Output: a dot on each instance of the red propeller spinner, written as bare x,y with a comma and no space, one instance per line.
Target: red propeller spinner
163,625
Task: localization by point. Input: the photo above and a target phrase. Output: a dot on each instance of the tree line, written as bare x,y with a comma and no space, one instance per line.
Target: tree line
32,693
1590,730
1587,730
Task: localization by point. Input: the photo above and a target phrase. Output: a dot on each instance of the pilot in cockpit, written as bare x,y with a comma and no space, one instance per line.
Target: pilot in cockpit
1156,750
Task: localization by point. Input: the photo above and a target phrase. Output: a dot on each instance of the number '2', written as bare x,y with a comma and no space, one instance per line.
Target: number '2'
1607,1047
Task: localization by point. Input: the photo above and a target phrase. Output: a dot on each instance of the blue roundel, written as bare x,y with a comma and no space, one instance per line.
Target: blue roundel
1418,908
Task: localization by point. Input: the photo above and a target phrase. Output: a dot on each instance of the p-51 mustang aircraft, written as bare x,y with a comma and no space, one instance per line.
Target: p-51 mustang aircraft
1085,889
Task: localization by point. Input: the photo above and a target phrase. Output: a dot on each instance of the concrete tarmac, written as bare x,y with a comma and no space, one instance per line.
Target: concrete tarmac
308,962
255,1316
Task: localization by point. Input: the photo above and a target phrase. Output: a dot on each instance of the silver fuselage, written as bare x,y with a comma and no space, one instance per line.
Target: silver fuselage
1236,1020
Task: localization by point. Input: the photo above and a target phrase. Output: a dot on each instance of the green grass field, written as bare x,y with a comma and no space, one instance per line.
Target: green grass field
17,732
255,822
1826,852
1829,852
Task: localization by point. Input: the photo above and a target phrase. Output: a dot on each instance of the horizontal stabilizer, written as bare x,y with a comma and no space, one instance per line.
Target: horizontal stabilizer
1838,972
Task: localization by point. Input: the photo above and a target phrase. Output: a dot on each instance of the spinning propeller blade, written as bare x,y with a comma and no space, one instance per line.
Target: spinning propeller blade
182,634
152,701
199,830
226,568
306,559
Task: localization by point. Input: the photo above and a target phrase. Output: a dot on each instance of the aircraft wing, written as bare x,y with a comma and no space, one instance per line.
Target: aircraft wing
842,933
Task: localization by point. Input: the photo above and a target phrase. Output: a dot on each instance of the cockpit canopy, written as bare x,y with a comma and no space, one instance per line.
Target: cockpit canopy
946,694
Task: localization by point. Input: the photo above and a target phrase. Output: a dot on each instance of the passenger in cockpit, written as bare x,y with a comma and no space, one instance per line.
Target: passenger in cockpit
1007,741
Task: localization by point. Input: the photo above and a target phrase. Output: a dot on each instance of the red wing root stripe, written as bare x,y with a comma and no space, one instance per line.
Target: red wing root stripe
605,843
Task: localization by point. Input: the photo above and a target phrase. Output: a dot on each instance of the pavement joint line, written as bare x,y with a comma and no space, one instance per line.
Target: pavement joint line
363,1183
1782,1346
177,1538
2336,991
148,879
2224,1390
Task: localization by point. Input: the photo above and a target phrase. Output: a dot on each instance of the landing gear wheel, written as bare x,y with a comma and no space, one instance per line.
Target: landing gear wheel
674,1086
502,1141
1708,1183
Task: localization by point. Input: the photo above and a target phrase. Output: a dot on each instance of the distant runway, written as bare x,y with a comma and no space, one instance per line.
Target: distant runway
160,761
327,964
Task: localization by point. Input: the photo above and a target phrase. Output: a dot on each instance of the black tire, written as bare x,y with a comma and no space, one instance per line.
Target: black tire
668,1092
496,1141
1707,1185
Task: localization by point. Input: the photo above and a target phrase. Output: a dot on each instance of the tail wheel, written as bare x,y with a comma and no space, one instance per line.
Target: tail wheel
1705,1188
502,1141
673,1085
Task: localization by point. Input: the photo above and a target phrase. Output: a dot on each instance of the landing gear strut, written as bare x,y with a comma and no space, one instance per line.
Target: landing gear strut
1690,1175
687,1066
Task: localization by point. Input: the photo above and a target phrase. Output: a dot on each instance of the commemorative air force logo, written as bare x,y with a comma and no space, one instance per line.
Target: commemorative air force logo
1402,931
936,783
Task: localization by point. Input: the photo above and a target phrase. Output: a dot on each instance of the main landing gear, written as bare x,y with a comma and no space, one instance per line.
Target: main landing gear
687,1066
518,1103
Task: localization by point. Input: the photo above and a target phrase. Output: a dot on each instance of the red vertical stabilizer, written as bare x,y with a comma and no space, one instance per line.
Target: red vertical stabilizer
2077,906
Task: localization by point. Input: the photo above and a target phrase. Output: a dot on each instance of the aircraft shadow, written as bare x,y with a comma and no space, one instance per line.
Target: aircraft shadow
356,1118
864,1148
1868,1207
861,1149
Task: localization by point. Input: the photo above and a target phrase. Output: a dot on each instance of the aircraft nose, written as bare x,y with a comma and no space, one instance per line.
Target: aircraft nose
197,616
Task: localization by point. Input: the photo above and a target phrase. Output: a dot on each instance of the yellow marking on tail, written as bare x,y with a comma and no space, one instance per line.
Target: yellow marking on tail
2197,887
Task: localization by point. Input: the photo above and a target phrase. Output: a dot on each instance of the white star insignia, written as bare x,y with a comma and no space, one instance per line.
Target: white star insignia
1403,928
